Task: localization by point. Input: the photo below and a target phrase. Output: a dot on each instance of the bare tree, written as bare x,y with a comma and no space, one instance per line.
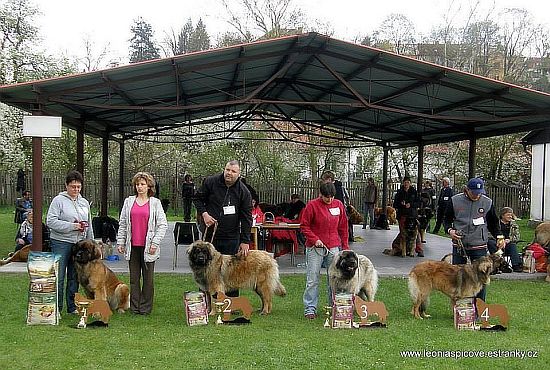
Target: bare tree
93,58
518,31
397,32
271,18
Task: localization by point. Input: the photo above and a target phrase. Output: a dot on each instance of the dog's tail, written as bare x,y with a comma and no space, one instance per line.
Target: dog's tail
121,299
413,287
279,290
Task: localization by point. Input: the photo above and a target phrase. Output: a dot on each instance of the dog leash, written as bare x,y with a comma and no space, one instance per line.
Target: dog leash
206,232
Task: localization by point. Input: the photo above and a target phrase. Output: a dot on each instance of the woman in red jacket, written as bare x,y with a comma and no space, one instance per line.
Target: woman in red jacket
325,227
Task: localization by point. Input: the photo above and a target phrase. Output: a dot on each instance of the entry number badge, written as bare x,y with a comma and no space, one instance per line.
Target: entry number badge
229,210
334,211
479,221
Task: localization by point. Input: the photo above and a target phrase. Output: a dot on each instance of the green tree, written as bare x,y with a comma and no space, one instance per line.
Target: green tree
142,44
199,38
179,43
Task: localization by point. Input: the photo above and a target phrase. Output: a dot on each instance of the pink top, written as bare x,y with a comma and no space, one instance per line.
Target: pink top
139,218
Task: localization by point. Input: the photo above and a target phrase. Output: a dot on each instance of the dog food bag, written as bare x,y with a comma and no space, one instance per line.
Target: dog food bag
196,309
342,310
465,314
42,308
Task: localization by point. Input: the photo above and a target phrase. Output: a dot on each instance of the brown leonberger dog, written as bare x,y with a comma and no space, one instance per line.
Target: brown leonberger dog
455,281
99,282
20,256
215,272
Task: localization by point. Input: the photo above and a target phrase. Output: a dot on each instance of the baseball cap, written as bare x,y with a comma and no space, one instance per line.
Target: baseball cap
476,186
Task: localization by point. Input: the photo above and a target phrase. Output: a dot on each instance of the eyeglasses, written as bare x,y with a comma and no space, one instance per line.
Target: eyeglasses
77,186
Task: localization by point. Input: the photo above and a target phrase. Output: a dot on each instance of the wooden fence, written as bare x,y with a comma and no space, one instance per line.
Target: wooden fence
272,192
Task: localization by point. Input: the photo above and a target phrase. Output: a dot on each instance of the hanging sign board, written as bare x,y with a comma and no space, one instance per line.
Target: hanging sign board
41,126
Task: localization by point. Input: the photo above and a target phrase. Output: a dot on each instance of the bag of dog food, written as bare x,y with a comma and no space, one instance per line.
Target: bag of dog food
465,314
42,308
342,310
196,309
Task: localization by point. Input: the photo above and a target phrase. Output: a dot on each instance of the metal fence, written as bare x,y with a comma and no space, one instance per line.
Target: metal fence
273,192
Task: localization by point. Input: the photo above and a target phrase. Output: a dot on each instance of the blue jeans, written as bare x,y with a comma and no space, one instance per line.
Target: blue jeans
66,267
509,250
474,254
315,260
369,215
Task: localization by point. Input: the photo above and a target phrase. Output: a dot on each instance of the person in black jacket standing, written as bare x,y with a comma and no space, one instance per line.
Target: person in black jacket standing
187,193
445,195
406,204
225,200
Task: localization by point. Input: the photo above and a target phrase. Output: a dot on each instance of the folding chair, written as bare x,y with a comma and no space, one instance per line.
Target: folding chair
185,233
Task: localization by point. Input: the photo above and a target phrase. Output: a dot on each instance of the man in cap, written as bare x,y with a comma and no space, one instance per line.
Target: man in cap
469,218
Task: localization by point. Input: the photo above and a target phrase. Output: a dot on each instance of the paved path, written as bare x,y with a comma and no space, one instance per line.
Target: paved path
372,244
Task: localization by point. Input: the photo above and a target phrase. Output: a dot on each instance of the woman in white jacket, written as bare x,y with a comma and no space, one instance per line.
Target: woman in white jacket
142,226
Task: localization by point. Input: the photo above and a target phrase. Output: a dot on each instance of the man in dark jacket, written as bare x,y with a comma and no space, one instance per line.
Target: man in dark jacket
187,193
469,218
444,199
224,199
406,203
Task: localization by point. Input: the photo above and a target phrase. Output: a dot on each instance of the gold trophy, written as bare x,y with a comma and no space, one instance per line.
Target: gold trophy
328,312
83,309
219,310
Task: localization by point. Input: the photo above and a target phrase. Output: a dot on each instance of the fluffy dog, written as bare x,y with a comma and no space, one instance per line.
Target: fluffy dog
390,213
355,217
353,273
542,234
455,281
20,256
215,272
98,281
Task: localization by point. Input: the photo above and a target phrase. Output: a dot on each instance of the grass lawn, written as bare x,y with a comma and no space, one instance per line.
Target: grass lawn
282,340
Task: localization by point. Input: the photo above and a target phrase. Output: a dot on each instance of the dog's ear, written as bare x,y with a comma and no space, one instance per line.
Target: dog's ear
76,247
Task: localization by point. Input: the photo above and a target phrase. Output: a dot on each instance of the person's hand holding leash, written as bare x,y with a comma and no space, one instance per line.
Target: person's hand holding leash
208,220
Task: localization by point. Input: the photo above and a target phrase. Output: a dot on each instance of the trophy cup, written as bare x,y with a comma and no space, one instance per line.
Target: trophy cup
328,311
219,310
83,309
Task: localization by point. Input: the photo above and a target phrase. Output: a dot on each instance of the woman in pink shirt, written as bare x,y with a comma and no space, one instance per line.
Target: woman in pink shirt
325,227
142,227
